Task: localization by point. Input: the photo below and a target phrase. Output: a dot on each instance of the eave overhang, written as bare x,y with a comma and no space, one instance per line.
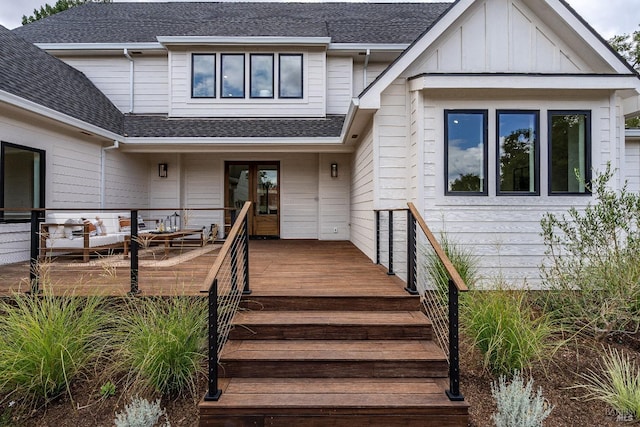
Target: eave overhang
253,145
242,41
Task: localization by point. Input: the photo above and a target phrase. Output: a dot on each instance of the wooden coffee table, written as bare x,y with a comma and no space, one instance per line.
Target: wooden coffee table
164,237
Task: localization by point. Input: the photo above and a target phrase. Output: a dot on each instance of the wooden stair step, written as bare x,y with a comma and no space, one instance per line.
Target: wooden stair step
318,300
343,325
333,358
333,401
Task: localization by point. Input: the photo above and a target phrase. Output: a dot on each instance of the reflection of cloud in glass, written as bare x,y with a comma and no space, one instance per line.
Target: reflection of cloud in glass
204,76
291,76
233,76
261,76
464,160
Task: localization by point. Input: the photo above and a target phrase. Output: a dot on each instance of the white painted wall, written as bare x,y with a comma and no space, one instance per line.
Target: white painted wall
362,196
339,84
127,180
632,164
334,194
299,201
374,69
313,104
151,84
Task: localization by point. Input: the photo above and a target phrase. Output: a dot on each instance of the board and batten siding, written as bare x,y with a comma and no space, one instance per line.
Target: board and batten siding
362,196
313,103
504,231
339,84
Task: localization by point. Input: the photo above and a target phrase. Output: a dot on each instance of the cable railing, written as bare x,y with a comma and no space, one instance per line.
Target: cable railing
226,283
418,258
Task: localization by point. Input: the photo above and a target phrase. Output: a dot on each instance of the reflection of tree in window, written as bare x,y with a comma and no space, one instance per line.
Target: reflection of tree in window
466,182
515,155
568,153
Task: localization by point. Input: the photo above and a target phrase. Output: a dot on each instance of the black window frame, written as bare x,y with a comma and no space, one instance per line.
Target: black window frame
215,75
43,161
273,88
587,151
301,56
244,79
536,147
485,152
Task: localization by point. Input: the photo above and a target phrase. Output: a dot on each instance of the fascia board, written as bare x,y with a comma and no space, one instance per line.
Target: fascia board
254,141
360,47
98,46
233,41
50,113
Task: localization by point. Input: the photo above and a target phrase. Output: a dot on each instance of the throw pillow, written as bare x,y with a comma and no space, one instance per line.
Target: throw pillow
125,223
93,230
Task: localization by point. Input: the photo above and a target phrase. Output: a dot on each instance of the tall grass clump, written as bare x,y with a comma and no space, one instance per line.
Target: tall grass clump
47,341
462,259
616,382
503,326
163,343
517,406
592,265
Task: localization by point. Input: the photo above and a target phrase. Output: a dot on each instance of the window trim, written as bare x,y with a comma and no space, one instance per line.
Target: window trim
215,74
280,96
587,151
244,77
536,147
485,152
43,168
273,88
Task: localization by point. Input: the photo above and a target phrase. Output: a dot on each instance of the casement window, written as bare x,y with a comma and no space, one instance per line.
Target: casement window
203,75
232,75
569,152
22,170
466,152
261,75
517,152
290,76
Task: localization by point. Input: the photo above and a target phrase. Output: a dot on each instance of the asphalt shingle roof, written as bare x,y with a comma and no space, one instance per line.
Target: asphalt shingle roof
32,74
163,127
143,22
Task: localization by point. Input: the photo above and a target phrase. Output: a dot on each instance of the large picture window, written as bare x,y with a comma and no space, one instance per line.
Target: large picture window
518,158
22,170
261,66
569,148
203,75
232,75
290,82
466,152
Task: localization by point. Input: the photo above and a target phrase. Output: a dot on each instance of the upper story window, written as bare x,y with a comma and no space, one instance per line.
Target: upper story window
290,76
22,180
466,152
569,148
203,75
247,75
518,158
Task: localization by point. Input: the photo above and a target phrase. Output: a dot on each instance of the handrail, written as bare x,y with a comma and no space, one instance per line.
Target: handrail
226,247
446,262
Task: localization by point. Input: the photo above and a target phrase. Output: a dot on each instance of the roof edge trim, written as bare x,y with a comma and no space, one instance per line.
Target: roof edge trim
191,40
98,46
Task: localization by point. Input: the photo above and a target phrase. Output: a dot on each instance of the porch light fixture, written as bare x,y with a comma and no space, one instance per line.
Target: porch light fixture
334,170
162,170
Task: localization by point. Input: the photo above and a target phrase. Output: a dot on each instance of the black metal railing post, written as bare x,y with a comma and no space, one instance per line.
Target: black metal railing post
390,272
377,237
454,352
411,254
247,289
213,392
133,246
34,273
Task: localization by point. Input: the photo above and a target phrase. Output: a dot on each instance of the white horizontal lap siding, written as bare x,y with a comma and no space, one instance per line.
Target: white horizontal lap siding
126,180
334,197
110,74
202,187
313,103
299,196
362,194
164,192
151,85
363,78
75,174
504,231
339,84
632,165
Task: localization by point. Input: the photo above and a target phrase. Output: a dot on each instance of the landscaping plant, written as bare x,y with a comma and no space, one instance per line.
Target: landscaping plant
142,413
162,343
592,268
46,341
462,259
517,407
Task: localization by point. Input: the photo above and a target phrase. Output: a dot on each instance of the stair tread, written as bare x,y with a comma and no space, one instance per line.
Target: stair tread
404,318
340,350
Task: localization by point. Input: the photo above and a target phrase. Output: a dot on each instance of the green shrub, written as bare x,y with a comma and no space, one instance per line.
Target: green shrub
47,341
517,407
592,265
502,325
162,343
615,382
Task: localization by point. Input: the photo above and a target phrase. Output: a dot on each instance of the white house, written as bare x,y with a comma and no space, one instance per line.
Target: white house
478,111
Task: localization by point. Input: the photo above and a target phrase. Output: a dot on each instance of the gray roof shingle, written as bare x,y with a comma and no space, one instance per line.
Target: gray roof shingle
162,127
143,22
32,74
